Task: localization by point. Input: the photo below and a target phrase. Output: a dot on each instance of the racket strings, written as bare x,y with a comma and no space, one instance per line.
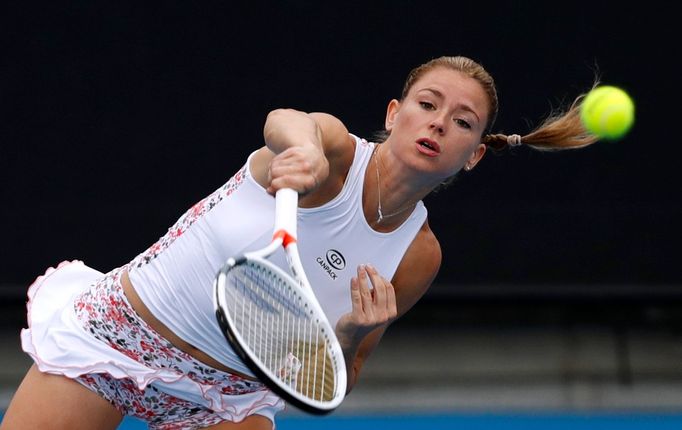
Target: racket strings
281,330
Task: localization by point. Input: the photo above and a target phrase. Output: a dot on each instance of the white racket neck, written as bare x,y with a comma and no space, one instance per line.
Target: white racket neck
285,223
286,207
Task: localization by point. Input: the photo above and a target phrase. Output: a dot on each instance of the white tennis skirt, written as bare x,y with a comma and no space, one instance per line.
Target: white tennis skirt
58,343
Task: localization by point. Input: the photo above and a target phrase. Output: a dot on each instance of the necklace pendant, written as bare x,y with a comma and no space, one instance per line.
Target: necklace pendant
380,216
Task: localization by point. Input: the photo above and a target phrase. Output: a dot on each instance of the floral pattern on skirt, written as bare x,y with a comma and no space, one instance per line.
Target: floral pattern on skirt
104,312
160,410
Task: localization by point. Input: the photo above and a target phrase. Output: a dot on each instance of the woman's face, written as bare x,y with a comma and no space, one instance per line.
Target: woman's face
437,127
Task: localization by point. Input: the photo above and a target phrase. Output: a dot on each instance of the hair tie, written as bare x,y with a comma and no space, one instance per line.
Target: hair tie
513,140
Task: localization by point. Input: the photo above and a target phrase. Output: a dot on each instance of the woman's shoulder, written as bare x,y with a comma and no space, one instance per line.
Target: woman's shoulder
425,249
336,139
418,268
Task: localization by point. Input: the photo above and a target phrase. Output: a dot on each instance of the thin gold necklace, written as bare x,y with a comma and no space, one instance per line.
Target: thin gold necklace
380,214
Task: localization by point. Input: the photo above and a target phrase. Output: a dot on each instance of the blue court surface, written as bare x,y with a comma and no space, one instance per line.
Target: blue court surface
540,421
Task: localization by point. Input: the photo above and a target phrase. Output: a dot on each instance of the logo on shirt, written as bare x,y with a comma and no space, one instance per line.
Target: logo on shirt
333,260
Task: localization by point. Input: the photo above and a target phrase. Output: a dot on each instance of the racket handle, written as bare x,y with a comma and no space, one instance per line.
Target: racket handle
286,207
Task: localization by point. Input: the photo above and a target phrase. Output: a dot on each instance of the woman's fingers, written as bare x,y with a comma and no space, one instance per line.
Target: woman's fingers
380,290
377,296
300,168
365,294
355,296
373,304
384,295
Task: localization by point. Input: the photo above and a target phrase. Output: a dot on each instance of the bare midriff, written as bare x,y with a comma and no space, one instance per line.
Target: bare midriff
146,315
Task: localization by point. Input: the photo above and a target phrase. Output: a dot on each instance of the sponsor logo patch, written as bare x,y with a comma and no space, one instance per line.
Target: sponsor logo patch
333,260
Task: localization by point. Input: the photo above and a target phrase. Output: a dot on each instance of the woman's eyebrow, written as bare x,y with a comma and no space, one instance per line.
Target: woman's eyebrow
462,106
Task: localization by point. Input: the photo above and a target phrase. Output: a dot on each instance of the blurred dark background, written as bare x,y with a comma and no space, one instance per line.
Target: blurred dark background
117,116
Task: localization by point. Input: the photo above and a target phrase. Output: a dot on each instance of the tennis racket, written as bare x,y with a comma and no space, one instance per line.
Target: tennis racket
276,325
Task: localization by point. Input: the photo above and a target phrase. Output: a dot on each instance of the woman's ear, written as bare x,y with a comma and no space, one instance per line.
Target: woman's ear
475,157
391,112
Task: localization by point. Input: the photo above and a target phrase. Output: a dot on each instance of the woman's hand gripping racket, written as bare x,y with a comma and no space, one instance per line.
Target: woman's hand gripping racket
274,322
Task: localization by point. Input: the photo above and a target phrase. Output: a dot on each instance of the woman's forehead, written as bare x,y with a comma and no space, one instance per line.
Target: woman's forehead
448,79
453,84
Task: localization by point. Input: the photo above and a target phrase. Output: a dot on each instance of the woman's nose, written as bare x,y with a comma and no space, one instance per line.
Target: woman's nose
437,124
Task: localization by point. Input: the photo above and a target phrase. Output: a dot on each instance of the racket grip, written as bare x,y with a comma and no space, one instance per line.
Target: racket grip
286,207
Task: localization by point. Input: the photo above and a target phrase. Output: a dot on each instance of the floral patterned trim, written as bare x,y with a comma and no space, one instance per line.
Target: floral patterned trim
105,313
160,410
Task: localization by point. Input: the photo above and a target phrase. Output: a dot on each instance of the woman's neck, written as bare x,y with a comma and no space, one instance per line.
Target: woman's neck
388,198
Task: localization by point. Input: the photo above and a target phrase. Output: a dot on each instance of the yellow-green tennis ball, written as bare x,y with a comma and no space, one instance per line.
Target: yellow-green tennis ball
607,112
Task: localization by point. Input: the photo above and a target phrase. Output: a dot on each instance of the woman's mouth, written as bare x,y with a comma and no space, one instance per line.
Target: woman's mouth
428,147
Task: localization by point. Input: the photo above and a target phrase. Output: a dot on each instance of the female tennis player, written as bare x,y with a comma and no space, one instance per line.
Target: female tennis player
143,340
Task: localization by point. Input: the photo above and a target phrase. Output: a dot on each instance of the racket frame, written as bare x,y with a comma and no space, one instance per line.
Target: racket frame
284,236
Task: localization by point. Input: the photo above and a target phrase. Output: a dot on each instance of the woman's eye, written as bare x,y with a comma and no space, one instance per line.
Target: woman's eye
462,123
427,105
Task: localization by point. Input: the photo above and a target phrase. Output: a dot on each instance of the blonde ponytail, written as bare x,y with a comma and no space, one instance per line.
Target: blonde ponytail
561,130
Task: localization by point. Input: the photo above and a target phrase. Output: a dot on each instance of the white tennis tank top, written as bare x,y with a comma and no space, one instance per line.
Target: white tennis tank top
174,277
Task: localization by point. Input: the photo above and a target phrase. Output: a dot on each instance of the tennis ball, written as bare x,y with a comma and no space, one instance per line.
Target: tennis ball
607,112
